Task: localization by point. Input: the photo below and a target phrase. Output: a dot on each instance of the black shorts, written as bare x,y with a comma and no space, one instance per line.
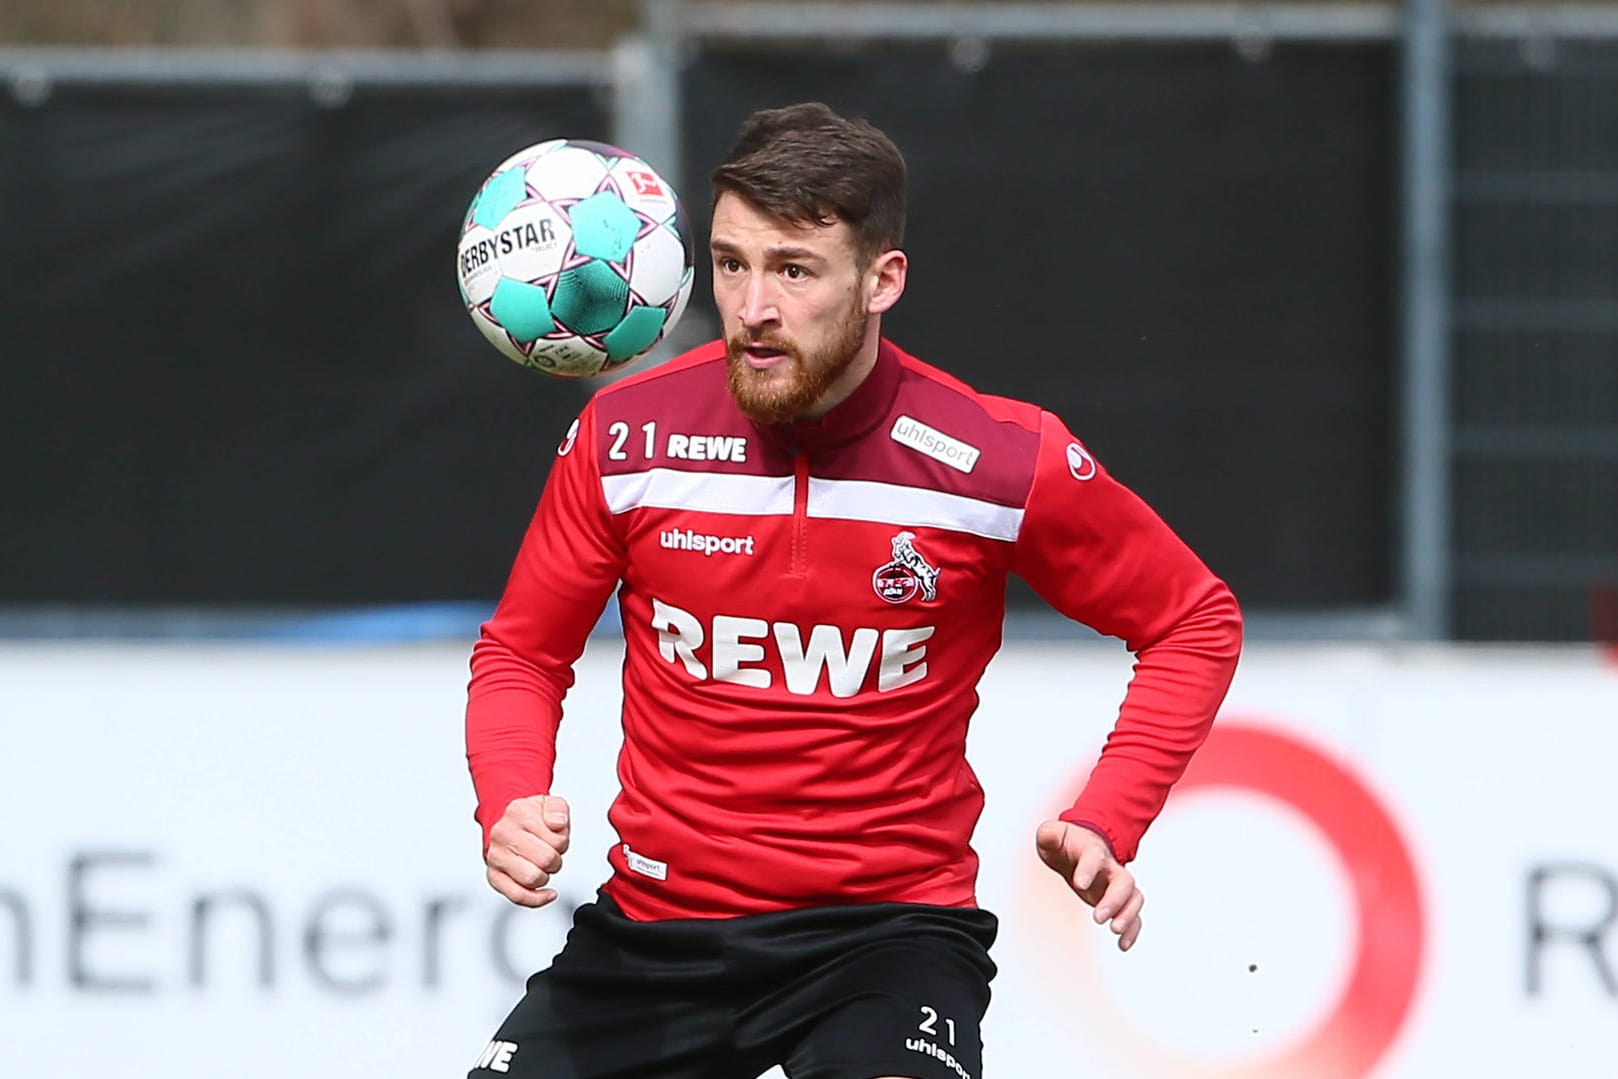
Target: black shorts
827,993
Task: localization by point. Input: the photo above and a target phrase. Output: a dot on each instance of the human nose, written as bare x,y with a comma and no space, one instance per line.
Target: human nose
758,303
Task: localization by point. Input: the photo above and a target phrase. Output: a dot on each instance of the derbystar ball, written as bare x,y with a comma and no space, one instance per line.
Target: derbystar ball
575,258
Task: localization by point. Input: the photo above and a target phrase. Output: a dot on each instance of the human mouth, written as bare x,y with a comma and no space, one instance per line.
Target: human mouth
762,357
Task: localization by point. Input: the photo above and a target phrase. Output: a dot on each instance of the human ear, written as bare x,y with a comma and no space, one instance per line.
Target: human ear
886,280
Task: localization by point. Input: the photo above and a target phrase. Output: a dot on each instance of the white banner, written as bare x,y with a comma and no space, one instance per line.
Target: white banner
261,861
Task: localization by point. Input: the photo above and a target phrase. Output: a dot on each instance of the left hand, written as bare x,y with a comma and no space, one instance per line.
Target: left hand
1084,860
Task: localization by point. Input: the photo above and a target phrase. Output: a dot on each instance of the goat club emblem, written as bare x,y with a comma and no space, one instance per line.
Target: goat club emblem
909,573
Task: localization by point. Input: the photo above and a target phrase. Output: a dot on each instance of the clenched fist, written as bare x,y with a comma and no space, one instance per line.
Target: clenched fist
526,847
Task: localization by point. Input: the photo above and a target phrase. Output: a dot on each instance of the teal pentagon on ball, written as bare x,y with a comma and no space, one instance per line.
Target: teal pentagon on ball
603,227
590,298
499,197
522,309
638,332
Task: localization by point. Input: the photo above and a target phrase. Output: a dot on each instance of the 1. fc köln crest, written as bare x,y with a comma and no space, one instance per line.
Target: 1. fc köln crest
909,573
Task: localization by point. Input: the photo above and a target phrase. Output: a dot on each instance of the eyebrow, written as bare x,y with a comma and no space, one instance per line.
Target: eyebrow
778,252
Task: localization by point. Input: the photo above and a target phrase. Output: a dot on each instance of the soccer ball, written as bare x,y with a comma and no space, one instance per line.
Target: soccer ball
575,258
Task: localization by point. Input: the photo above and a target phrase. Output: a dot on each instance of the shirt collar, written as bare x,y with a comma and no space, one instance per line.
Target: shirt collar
851,418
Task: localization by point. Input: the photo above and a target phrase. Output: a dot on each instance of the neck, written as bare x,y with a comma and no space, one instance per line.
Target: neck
854,374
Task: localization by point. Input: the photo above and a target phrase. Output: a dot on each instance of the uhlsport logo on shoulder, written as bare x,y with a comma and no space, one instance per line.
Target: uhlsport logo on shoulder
961,456
909,573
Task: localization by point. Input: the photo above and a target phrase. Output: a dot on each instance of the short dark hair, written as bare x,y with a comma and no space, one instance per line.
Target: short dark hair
808,165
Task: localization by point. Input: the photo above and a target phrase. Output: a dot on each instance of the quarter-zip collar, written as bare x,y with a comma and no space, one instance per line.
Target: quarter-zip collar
851,418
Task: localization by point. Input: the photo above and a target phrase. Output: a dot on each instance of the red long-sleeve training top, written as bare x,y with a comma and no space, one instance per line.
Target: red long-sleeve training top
807,611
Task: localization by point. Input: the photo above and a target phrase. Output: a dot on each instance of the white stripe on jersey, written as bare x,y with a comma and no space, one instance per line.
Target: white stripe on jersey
703,492
891,503
848,500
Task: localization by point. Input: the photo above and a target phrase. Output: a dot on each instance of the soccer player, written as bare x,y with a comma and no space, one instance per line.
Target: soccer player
809,533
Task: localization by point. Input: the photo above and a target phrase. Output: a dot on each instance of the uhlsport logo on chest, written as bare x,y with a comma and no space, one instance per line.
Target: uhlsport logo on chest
686,539
907,575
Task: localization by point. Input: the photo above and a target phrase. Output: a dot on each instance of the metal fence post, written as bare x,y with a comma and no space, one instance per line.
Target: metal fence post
1425,582
646,108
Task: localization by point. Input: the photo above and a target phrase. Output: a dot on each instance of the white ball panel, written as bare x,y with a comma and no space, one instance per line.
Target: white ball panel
529,154
531,242
680,301
567,172
477,266
571,357
643,188
657,265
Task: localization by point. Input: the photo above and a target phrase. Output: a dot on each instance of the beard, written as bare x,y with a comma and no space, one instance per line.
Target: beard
792,387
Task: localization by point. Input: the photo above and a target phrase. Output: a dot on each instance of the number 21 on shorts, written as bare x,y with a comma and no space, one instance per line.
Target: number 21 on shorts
929,1024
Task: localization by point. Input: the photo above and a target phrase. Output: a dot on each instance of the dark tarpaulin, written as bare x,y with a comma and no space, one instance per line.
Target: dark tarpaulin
233,364
1187,255
235,369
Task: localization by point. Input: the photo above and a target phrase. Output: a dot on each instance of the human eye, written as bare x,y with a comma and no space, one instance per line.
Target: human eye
728,264
794,272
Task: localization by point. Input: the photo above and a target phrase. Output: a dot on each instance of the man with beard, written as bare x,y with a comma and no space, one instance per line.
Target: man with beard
809,533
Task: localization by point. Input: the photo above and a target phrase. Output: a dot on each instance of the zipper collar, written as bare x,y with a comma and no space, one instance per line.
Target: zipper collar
852,418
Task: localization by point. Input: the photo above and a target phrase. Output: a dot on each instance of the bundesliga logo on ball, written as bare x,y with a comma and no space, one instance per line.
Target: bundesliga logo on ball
575,258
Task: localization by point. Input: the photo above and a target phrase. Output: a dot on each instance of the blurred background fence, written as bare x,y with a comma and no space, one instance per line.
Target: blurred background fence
1359,352
1535,332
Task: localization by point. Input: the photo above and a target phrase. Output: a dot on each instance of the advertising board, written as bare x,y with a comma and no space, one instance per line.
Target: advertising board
1385,862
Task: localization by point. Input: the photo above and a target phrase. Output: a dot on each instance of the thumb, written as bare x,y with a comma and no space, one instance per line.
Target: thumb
1048,841
556,812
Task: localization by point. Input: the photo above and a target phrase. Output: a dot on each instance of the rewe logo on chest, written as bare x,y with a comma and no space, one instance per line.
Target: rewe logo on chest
740,650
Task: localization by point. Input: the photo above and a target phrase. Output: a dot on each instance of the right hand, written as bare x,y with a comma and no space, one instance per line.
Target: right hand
525,849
